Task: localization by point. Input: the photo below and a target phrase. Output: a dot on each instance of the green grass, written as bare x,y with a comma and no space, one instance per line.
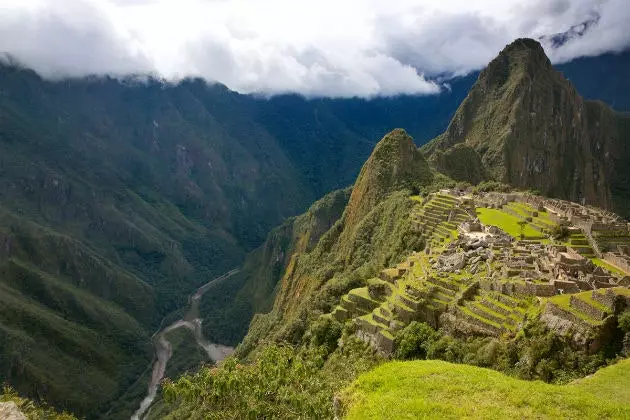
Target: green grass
479,317
436,389
363,294
564,301
506,222
621,291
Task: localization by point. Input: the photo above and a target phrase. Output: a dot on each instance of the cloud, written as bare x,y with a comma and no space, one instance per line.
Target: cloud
77,39
323,48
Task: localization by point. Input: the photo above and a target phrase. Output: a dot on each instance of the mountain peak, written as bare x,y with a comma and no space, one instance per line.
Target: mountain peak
520,44
395,164
524,124
524,57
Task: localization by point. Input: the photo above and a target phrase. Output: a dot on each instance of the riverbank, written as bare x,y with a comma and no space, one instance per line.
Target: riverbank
164,348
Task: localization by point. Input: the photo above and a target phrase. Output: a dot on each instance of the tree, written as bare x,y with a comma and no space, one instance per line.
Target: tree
522,224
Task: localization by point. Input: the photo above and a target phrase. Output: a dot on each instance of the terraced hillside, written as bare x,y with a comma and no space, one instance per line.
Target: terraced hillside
488,275
438,218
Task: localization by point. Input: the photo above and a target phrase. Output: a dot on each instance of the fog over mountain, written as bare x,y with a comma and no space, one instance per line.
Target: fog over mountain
324,48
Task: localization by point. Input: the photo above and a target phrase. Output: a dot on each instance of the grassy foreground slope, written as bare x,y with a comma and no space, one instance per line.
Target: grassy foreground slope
436,389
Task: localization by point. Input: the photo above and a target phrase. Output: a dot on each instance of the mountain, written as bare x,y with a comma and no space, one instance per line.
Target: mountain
420,264
524,124
374,229
119,197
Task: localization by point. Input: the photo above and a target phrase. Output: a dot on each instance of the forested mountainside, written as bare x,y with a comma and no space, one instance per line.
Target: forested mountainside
120,197
423,263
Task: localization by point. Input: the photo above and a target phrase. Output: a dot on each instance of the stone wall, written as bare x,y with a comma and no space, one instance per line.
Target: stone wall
482,326
584,307
565,286
617,260
607,298
569,316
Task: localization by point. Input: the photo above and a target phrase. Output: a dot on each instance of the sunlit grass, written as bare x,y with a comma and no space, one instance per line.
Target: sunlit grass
505,222
436,389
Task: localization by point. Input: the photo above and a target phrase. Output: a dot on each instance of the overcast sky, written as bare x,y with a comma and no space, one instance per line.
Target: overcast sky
313,47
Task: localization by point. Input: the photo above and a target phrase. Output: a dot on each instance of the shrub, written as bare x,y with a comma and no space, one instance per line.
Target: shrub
283,382
624,321
31,409
280,384
487,186
413,341
447,348
560,232
325,332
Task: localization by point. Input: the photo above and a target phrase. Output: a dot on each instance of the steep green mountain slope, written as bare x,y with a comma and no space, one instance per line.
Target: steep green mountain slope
113,210
373,232
524,124
227,310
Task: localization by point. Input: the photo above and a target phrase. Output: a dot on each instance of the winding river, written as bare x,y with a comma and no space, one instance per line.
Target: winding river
164,350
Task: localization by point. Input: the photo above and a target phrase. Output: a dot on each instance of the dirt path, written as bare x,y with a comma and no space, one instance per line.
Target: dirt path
164,350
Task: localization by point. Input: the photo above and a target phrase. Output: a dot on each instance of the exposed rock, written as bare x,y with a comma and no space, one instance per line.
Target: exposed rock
453,262
10,411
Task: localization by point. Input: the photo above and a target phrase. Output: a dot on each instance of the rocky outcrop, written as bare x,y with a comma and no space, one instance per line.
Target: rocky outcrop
10,411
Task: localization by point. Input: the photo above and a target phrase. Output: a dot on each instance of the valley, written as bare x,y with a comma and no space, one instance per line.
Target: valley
490,246
164,350
491,231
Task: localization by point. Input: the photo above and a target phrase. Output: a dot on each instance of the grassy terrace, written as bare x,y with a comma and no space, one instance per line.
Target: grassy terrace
436,389
471,314
564,302
619,291
525,210
506,222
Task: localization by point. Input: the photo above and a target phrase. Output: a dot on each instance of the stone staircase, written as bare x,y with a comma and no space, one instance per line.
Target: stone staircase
580,243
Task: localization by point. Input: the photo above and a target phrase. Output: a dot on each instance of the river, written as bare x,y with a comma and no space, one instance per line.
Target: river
164,350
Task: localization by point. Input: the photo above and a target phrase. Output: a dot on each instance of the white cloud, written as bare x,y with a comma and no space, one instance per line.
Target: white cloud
330,48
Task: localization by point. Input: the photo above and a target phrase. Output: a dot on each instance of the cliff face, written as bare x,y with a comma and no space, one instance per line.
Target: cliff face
531,129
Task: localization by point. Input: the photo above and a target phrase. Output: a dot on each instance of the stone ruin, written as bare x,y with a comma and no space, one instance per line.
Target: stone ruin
478,280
